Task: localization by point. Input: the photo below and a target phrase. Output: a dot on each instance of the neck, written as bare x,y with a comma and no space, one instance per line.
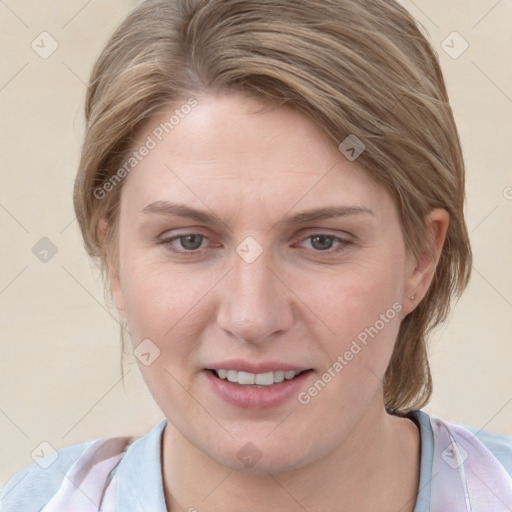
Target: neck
376,467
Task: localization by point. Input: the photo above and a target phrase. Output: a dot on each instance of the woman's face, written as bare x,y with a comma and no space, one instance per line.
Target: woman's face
248,242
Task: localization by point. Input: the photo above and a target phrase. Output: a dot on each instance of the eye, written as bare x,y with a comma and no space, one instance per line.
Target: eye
192,243
323,242
188,242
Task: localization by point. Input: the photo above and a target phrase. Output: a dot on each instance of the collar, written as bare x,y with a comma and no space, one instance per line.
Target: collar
139,474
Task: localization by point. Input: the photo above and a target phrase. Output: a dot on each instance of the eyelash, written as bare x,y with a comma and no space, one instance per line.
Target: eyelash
166,242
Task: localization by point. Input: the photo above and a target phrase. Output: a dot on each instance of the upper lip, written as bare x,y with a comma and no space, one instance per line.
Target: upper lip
255,367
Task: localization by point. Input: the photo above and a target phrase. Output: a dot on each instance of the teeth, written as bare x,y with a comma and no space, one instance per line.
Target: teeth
260,379
232,376
246,378
278,376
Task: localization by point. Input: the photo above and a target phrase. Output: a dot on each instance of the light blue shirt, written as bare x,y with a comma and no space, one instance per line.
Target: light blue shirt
139,473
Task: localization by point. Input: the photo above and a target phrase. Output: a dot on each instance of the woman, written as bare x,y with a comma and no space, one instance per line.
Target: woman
274,191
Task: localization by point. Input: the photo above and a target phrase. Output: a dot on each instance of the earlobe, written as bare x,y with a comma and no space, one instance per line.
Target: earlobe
112,273
421,270
117,294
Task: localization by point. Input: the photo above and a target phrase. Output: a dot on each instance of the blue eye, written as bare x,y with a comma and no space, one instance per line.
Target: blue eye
189,242
323,242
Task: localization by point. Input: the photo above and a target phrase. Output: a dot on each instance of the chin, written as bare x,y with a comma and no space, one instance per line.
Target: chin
264,466
258,457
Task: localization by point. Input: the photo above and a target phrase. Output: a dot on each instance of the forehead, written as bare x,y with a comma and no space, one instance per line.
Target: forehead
235,152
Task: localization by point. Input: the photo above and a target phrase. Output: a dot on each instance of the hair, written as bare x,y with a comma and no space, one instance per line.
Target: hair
360,68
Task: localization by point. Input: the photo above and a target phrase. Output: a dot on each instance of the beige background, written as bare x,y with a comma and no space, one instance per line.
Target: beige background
60,376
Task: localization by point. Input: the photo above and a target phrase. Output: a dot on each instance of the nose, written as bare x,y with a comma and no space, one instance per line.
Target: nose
255,303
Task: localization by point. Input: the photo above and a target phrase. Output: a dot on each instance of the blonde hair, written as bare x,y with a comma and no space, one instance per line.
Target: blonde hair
359,68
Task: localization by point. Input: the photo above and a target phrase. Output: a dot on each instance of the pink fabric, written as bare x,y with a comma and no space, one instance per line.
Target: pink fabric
86,486
466,477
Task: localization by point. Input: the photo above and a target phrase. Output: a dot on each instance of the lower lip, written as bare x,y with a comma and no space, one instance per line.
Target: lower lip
265,397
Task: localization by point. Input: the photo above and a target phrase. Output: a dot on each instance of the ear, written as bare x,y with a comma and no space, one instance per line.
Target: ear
112,273
421,270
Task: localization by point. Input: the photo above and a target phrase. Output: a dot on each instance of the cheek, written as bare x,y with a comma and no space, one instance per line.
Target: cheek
164,308
361,311
158,296
358,296
364,313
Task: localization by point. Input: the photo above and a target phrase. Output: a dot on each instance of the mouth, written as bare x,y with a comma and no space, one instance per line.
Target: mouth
256,380
268,385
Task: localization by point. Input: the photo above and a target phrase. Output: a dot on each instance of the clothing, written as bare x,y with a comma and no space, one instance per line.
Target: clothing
462,470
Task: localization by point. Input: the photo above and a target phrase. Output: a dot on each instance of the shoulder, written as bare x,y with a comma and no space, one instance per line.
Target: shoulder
61,477
33,486
498,444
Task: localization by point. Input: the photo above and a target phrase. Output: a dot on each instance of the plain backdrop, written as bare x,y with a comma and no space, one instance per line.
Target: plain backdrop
60,372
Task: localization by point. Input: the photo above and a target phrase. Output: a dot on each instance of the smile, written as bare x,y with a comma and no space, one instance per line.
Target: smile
264,390
255,379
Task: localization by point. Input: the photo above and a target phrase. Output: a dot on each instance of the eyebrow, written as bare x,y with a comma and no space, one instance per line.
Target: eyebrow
180,210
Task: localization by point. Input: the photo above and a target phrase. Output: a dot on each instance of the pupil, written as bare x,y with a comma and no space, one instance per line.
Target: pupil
323,238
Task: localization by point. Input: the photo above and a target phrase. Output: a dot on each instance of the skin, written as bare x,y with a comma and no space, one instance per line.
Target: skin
299,302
